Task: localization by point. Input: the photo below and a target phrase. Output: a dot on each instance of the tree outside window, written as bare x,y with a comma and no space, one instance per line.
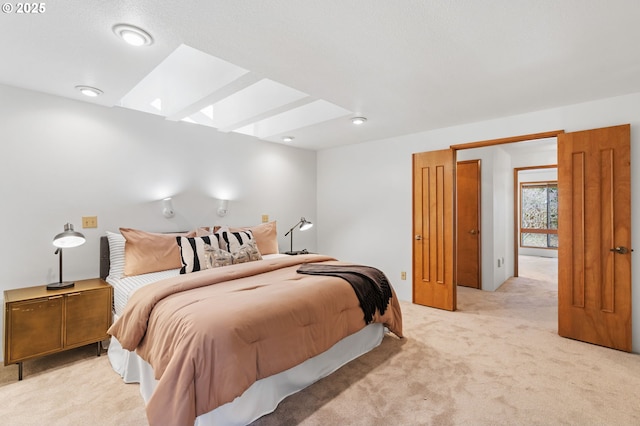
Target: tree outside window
539,215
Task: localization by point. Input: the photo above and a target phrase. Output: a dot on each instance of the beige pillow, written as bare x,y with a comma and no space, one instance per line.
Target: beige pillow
265,235
215,257
146,252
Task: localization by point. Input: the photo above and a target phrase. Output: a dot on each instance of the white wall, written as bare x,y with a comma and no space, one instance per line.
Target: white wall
64,159
364,190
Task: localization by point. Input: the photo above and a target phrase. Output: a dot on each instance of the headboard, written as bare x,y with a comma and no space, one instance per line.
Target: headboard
104,257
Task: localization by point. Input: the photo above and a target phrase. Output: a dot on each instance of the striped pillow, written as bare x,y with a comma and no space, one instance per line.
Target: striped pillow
192,252
116,254
232,241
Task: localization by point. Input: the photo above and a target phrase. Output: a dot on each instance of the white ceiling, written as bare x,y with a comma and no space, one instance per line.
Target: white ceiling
406,65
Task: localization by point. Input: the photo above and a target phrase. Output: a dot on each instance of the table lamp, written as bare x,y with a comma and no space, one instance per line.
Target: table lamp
304,225
67,239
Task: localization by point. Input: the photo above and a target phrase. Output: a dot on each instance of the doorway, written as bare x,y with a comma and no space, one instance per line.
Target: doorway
595,268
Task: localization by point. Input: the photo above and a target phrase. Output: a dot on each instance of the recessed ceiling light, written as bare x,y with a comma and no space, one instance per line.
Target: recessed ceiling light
288,138
133,35
358,120
92,92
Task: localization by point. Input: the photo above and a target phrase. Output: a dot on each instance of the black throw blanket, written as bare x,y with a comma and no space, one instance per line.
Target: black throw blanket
370,284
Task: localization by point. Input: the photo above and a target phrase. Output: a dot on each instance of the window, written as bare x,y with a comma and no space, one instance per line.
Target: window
539,215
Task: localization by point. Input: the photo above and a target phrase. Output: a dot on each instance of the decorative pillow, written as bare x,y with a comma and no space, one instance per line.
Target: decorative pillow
192,252
248,252
116,254
231,241
215,257
146,252
265,234
203,231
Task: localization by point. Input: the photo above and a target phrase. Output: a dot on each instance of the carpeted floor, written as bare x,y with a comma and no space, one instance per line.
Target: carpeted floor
496,361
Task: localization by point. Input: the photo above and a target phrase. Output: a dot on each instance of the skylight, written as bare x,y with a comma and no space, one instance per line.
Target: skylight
195,87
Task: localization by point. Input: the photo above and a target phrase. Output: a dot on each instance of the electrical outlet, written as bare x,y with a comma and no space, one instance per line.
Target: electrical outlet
89,221
403,275
265,218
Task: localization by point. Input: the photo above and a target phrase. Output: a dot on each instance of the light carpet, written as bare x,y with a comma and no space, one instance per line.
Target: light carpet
496,361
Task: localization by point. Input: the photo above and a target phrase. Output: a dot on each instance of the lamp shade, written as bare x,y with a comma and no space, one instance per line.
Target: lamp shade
305,224
68,238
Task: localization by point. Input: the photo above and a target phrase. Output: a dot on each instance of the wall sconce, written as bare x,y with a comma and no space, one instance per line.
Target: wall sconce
67,239
167,208
223,208
304,225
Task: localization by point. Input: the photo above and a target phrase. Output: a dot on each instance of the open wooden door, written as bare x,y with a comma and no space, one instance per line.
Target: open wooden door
433,244
594,253
468,223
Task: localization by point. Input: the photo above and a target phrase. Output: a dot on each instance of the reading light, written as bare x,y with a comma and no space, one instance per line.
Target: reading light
92,92
358,120
304,225
133,35
67,239
223,208
288,138
167,208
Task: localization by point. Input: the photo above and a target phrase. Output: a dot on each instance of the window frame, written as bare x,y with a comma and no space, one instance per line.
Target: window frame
546,231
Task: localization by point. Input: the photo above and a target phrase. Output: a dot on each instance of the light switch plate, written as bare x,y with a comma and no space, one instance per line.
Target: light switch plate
89,221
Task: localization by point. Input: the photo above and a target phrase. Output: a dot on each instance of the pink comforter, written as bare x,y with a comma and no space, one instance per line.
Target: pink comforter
210,335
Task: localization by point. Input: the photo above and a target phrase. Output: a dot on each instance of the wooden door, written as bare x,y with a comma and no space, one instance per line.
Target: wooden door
468,223
433,231
594,238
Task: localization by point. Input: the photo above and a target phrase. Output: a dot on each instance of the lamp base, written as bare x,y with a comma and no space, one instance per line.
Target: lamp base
59,286
296,252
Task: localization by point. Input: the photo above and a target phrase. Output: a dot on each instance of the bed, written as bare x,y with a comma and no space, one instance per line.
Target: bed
225,344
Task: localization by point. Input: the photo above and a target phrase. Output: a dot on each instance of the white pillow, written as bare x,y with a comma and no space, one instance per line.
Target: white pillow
192,252
116,254
231,241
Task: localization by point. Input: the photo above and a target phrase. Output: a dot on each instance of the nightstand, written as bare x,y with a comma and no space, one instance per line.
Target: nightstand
41,322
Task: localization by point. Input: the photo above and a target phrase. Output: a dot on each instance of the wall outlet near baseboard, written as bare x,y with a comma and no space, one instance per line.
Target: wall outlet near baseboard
403,275
265,218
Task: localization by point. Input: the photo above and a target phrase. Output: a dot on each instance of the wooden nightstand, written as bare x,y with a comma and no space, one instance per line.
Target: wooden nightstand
41,322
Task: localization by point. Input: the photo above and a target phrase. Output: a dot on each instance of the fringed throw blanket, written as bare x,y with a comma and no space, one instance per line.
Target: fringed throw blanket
370,284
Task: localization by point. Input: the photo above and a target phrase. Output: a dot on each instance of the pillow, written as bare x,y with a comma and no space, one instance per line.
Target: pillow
215,257
203,231
232,240
146,252
116,254
248,252
266,236
192,252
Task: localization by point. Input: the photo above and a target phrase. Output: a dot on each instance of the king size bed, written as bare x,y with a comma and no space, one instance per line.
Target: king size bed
227,339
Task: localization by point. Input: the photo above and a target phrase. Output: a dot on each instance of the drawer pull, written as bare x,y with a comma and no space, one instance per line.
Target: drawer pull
74,294
55,297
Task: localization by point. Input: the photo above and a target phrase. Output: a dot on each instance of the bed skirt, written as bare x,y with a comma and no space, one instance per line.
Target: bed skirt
264,395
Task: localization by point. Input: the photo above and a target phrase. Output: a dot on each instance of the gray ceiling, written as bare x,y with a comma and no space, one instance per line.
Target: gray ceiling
406,65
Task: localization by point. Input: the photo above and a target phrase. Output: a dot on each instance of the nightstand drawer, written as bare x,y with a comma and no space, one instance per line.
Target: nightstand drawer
36,328
86,317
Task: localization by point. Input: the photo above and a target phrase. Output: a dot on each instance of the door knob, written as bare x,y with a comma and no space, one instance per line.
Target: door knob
474,232
620,250
418,237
